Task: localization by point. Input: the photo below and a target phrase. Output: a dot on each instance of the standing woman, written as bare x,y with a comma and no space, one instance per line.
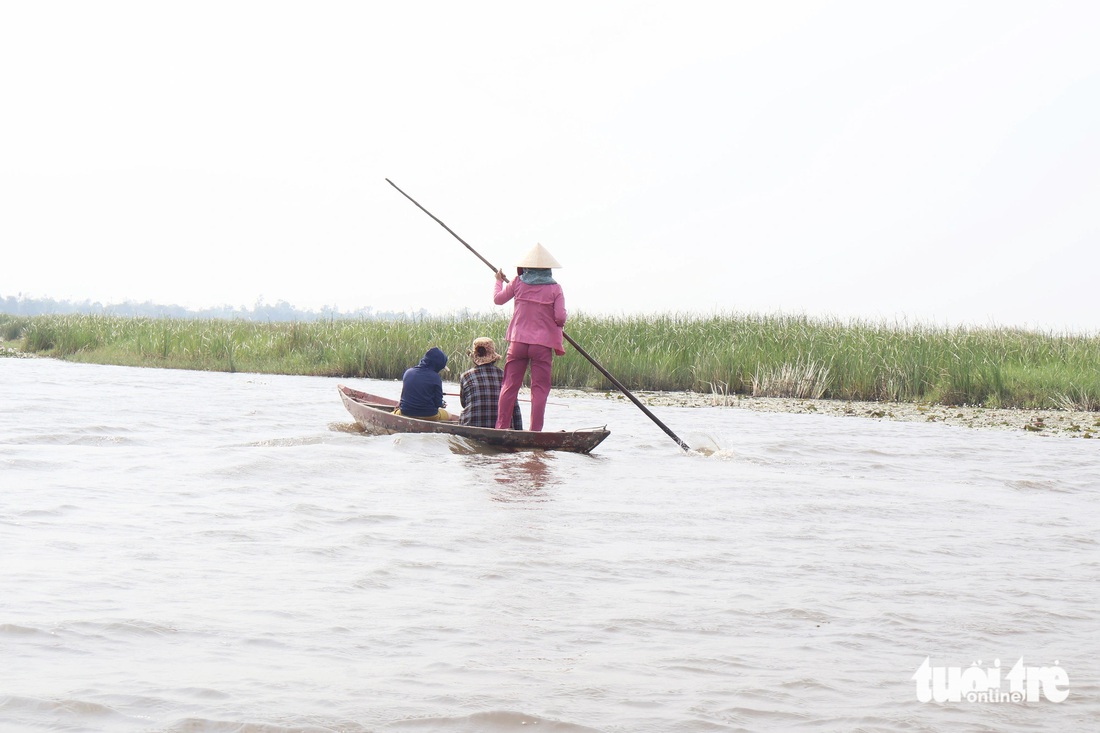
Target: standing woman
534,334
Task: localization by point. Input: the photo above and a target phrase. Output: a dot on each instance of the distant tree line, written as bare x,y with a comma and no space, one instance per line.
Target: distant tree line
281,311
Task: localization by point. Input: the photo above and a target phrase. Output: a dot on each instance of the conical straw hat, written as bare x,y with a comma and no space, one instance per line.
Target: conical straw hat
538,257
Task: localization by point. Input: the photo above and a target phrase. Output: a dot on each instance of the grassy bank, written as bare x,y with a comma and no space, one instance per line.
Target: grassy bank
784,356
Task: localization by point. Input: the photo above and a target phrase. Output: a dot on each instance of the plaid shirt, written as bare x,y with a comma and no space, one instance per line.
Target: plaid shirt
480,392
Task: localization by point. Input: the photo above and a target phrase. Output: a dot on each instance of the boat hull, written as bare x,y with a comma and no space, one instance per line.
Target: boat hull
374,415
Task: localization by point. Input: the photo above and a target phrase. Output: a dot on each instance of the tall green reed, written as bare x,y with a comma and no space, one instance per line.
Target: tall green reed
732,354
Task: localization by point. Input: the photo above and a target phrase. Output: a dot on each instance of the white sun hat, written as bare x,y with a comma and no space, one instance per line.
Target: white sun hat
539,257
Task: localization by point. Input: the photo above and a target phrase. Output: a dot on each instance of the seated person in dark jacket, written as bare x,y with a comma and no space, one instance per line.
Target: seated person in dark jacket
481,388
422,388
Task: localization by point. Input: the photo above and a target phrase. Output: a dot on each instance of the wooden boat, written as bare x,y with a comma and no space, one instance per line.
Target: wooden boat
375,415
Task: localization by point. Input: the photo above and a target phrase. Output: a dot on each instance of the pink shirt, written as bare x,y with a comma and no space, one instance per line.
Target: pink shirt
539,315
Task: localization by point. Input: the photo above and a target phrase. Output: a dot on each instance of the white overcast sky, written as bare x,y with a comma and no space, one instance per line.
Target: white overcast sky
929,161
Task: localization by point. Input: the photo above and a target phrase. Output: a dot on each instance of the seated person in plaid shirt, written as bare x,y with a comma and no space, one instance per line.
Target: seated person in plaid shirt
481,388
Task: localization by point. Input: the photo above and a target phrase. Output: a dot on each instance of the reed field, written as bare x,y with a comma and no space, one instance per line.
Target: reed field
780,356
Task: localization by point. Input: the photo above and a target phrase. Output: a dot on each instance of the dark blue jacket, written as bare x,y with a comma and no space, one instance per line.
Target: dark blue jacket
422,387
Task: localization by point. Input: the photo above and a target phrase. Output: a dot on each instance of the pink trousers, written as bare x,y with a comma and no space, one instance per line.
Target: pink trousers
521,356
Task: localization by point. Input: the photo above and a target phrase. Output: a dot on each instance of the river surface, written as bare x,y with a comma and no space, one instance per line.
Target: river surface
190,551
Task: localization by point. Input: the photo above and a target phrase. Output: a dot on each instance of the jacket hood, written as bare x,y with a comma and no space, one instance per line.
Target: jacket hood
434,359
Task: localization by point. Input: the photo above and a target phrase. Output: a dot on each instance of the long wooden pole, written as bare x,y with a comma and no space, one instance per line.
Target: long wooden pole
573,343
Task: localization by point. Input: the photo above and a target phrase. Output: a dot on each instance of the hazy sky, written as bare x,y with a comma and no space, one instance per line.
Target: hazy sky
932,161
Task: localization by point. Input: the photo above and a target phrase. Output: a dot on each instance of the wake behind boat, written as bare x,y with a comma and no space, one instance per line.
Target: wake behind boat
375,415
